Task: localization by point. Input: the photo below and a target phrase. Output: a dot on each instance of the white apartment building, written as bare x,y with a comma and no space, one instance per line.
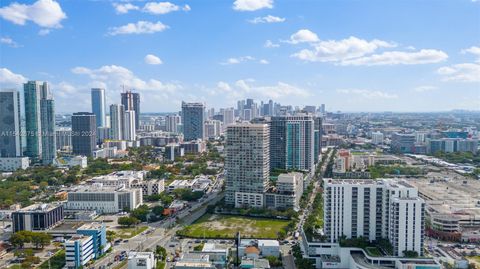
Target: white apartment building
288,191
129,132
78,251
103,199
131,179
374,209
377,138
247,164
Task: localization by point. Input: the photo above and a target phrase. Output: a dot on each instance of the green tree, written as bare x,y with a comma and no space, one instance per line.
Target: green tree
128,221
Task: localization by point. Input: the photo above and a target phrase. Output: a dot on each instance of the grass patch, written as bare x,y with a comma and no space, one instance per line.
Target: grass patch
121,264
373,251
161,264
57,261
225,226
126,233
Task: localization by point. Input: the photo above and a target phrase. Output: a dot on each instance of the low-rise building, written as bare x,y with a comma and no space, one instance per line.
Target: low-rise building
78,251
253,248
10,164
98,233
141,260
194,261
288,191
104,199
37,217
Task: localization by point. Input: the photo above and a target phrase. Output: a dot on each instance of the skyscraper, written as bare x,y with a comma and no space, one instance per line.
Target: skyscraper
84,138
117,121
228,116
247,164
129,126
131,101
292,142
171,123
193,117
32,96
10,127
98,106
47,117
39,121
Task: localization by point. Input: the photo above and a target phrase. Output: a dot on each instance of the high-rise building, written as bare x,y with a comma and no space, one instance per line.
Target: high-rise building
292,142
99,106
171,123
78,251
32,96
117,121
247,164
39,121
193,118
47,117
129,127
84,133
375,209
228,116
10,127
64,138
322,109
318,138
131,101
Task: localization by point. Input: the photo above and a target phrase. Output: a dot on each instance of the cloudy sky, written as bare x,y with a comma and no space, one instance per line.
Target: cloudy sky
351,55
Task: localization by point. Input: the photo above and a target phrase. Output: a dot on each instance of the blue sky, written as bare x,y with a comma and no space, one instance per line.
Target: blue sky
351,55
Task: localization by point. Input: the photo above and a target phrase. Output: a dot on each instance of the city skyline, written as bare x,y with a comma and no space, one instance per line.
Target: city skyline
351,56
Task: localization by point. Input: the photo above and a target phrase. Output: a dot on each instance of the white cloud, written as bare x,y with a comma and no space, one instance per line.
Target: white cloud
270,44
464,72
160,7
8,41
335,51
424,56
114,76
473,50
302,36
243,59
425,88
10,79
245,87
140,27
266,19
124,8
157,8
368,94
252,5
45,13
152,59
238,60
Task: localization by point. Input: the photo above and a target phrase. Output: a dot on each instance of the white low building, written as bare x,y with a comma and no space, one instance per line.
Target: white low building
141,260
10,164
103,199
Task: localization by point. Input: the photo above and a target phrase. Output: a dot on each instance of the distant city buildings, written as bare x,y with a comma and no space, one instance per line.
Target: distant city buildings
403,143
172,122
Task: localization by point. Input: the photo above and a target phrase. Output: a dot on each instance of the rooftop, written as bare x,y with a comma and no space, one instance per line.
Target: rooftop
40,207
